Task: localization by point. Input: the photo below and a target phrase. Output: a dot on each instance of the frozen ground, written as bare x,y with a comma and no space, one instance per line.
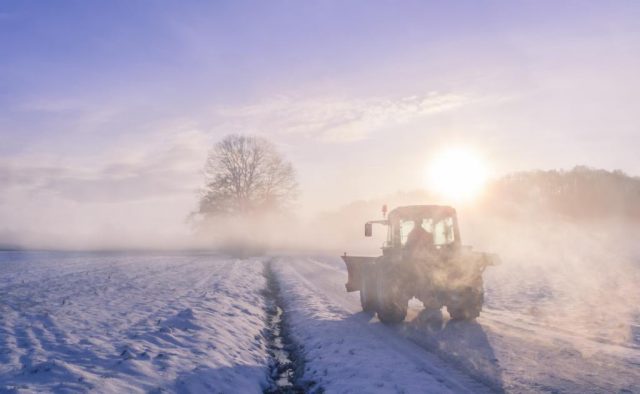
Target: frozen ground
131,323
345,352
505,350
200,323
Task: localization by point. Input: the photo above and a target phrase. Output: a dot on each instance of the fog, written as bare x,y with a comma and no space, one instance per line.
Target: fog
575,270
575,275
569,273
112,115
572,273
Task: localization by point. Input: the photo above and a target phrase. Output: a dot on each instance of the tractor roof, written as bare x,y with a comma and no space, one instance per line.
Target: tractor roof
411,211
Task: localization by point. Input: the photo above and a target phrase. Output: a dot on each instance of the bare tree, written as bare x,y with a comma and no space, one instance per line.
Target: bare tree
246,175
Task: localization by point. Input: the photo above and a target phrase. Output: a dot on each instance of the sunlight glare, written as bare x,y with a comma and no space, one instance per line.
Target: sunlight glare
457,174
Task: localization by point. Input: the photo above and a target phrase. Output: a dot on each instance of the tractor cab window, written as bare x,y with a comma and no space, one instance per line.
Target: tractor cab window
443,232
407,225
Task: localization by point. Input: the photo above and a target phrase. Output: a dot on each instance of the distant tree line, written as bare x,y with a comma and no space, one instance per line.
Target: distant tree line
581,193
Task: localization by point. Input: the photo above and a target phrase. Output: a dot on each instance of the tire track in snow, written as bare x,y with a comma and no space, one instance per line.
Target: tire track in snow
287,365
346,351
501,350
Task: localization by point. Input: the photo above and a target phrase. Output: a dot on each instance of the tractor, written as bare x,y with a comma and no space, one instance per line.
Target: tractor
423,257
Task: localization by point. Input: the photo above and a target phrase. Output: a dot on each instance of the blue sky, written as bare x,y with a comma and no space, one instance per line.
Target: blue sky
117,101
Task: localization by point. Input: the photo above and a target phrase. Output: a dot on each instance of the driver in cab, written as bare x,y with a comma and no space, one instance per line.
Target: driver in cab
419,240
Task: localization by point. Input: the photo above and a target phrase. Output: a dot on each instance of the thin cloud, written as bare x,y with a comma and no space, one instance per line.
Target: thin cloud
131,197
336,120
169,170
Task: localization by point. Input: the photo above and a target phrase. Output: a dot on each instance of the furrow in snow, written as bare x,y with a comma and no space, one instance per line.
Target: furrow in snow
346,352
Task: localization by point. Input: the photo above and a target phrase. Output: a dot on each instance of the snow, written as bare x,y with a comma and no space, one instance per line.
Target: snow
124,322
344,351
131,323
504,350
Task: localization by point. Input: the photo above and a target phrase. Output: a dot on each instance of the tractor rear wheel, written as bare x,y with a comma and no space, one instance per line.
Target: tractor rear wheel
392,305
468,307
368,293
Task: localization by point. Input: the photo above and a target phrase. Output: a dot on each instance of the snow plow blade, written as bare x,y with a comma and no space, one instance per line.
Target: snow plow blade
356,267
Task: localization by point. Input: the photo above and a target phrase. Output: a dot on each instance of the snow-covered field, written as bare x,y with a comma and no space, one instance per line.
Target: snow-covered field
345,352
80,322
131,323
349,351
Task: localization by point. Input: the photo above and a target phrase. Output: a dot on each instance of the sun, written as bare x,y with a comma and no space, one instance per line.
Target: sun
457,174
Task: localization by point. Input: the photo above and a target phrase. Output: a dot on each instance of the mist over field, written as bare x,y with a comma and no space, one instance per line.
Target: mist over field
567,241
199,197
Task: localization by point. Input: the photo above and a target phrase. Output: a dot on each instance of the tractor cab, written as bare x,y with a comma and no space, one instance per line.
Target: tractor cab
438,221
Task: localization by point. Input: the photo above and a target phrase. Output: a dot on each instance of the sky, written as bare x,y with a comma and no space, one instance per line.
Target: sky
107,109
